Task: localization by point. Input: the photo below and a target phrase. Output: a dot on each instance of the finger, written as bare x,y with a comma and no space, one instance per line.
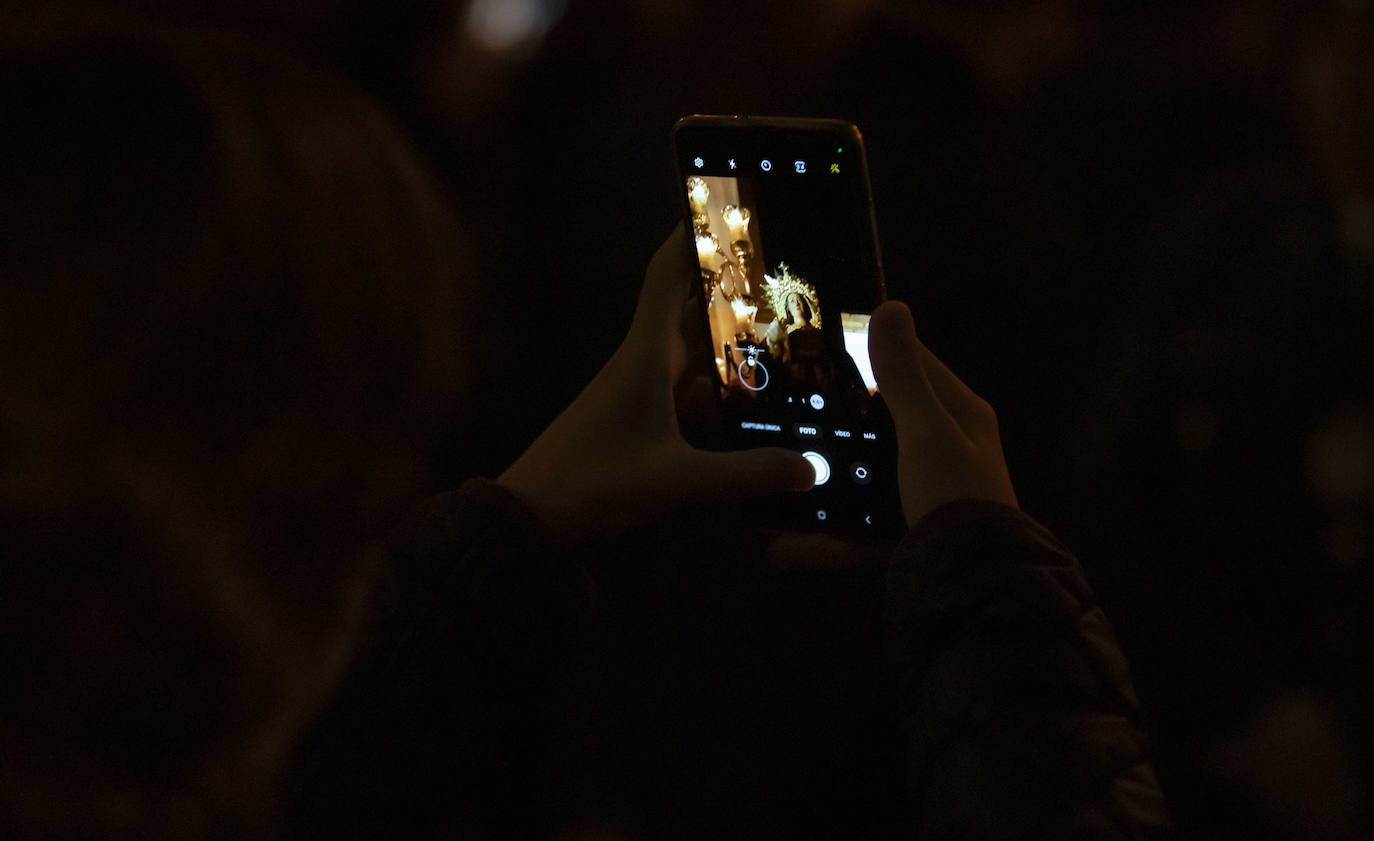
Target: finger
749,473
897,355
690,346
696,401
962,402
667,284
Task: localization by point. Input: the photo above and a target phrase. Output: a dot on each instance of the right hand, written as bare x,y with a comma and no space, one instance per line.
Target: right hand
947,442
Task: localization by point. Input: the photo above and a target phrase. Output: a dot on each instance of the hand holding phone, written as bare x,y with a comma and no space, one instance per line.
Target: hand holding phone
786,246
615,459
948,444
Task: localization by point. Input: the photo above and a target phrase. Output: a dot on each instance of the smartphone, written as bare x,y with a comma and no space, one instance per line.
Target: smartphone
783,229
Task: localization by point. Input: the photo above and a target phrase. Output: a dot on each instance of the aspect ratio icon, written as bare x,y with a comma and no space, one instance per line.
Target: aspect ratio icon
765,164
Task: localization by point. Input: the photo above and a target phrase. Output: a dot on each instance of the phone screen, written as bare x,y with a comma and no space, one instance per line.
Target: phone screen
782,220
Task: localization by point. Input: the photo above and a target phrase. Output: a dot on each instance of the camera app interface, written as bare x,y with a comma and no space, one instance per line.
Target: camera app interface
789,274
766,316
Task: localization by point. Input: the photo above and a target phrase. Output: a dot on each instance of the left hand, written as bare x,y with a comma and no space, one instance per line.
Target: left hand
615,459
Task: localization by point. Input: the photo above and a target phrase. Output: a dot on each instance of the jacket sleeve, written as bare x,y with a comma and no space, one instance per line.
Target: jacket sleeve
1016,700
445,723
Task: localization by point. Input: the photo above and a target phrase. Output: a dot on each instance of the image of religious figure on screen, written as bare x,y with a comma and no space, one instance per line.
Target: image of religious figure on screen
765,317
794,335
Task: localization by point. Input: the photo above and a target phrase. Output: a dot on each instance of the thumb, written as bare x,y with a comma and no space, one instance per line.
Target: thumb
752,473
896,355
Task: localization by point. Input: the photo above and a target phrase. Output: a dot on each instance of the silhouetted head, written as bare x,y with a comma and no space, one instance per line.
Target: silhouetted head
227,340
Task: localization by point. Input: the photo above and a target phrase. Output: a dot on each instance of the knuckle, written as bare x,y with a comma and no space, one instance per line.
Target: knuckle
983,415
